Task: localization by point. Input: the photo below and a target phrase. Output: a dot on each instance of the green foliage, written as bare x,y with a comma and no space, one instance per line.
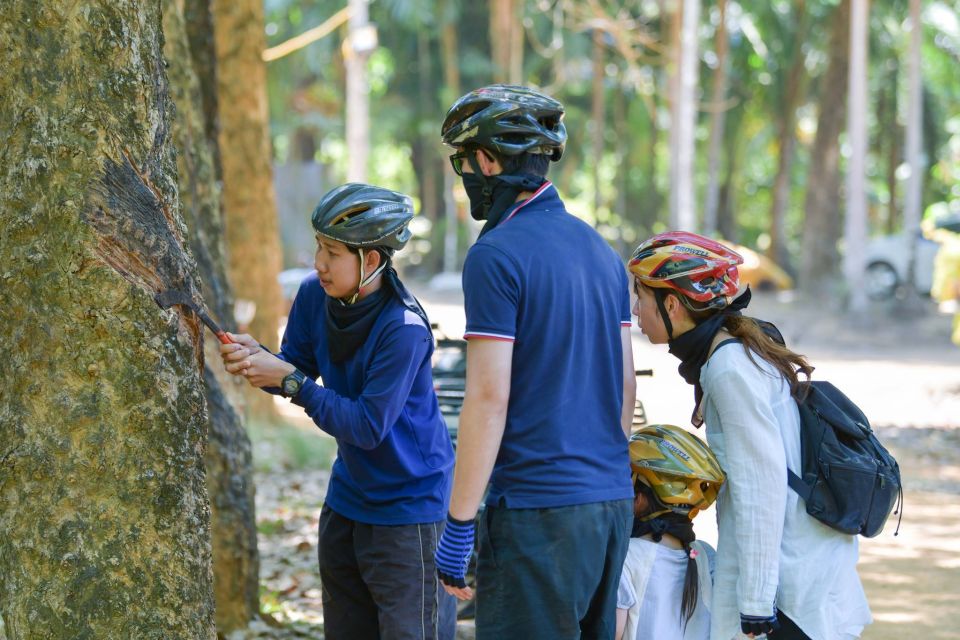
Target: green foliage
409,98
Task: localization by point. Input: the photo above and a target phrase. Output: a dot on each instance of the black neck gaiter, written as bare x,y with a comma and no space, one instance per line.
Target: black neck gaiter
693,348
348,325
492,196
680,527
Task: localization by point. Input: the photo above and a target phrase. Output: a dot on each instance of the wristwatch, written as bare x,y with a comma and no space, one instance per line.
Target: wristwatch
291,383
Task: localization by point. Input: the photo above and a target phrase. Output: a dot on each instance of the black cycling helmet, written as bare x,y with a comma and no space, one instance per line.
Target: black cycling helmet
507,119
362,216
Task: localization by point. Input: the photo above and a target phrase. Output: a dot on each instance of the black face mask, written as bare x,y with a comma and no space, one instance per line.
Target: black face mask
474,185
492,196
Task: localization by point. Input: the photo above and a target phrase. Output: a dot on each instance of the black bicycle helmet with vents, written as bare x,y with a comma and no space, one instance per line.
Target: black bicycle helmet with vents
364,216
507,119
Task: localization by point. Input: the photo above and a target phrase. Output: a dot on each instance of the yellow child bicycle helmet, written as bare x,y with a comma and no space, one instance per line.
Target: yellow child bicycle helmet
680,468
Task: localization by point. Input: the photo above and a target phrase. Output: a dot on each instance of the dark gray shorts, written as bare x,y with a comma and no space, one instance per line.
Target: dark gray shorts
380,582
551,573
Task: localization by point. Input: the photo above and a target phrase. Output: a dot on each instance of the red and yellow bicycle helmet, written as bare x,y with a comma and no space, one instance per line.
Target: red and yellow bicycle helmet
702,270
682,471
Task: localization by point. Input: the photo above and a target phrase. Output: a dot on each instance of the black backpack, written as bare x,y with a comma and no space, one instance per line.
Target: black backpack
849,481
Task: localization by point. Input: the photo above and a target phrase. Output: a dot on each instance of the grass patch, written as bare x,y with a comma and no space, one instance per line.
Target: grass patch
281,446
270,527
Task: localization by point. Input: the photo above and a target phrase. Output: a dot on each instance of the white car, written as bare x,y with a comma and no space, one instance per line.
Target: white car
887,258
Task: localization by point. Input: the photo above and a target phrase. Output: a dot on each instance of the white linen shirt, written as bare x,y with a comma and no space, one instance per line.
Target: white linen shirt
770,552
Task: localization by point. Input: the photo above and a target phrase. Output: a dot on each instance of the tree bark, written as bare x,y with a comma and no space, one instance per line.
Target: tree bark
105,521
683,121
787,139
451,76
228,457
855,222
623,153
913,197
887,119
820,257
357,115
598,118
249,202
506,40
717,123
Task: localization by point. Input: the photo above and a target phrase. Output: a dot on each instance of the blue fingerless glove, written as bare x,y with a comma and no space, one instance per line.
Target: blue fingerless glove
454,551
758,625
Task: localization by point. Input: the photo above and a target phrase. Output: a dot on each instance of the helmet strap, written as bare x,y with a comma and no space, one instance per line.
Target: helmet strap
659,295
364,281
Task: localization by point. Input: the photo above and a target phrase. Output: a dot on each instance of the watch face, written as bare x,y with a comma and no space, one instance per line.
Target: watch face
291,385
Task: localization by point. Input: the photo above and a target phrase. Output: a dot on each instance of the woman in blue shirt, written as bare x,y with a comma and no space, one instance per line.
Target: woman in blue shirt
355,326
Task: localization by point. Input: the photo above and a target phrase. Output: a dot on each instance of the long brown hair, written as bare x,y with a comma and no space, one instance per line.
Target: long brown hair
756,342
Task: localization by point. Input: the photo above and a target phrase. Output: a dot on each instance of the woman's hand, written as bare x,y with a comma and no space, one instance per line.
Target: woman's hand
235,355
263,369
245,358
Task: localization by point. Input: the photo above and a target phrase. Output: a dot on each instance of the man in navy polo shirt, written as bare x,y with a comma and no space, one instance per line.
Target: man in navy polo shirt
550,387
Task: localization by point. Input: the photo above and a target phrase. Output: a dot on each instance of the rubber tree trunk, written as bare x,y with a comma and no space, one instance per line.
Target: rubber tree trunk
820,258
855,222
793,90
506,40
249,203
105,520
450,92
683,120
718,117
228,457
598,116
913,200
357,116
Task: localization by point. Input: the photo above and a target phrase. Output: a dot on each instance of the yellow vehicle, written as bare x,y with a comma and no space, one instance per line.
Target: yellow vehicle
760,272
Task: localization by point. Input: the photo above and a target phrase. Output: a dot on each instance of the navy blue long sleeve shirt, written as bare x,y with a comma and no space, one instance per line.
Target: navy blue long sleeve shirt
394,461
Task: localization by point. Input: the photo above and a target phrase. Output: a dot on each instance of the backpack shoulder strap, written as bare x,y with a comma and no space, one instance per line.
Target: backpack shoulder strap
803,489
726,342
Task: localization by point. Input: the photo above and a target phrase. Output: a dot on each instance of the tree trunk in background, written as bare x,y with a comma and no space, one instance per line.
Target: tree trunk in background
357,117
888,123
451,77
855,222
516,44
597,117
787,139
228,457
105,521
819,258
622,154
426,160
913,205
717,121
249,204
683,123
198,16
506,40
726,207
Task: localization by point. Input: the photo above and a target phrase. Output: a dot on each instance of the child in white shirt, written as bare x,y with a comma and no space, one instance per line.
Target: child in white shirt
665,588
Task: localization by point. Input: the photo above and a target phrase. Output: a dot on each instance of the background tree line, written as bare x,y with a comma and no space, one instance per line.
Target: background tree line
764,110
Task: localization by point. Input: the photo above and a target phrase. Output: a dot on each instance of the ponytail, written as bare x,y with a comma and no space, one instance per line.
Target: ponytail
691,587
757,342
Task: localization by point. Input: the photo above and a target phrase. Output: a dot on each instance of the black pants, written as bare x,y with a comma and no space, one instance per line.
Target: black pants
551,573
380,582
